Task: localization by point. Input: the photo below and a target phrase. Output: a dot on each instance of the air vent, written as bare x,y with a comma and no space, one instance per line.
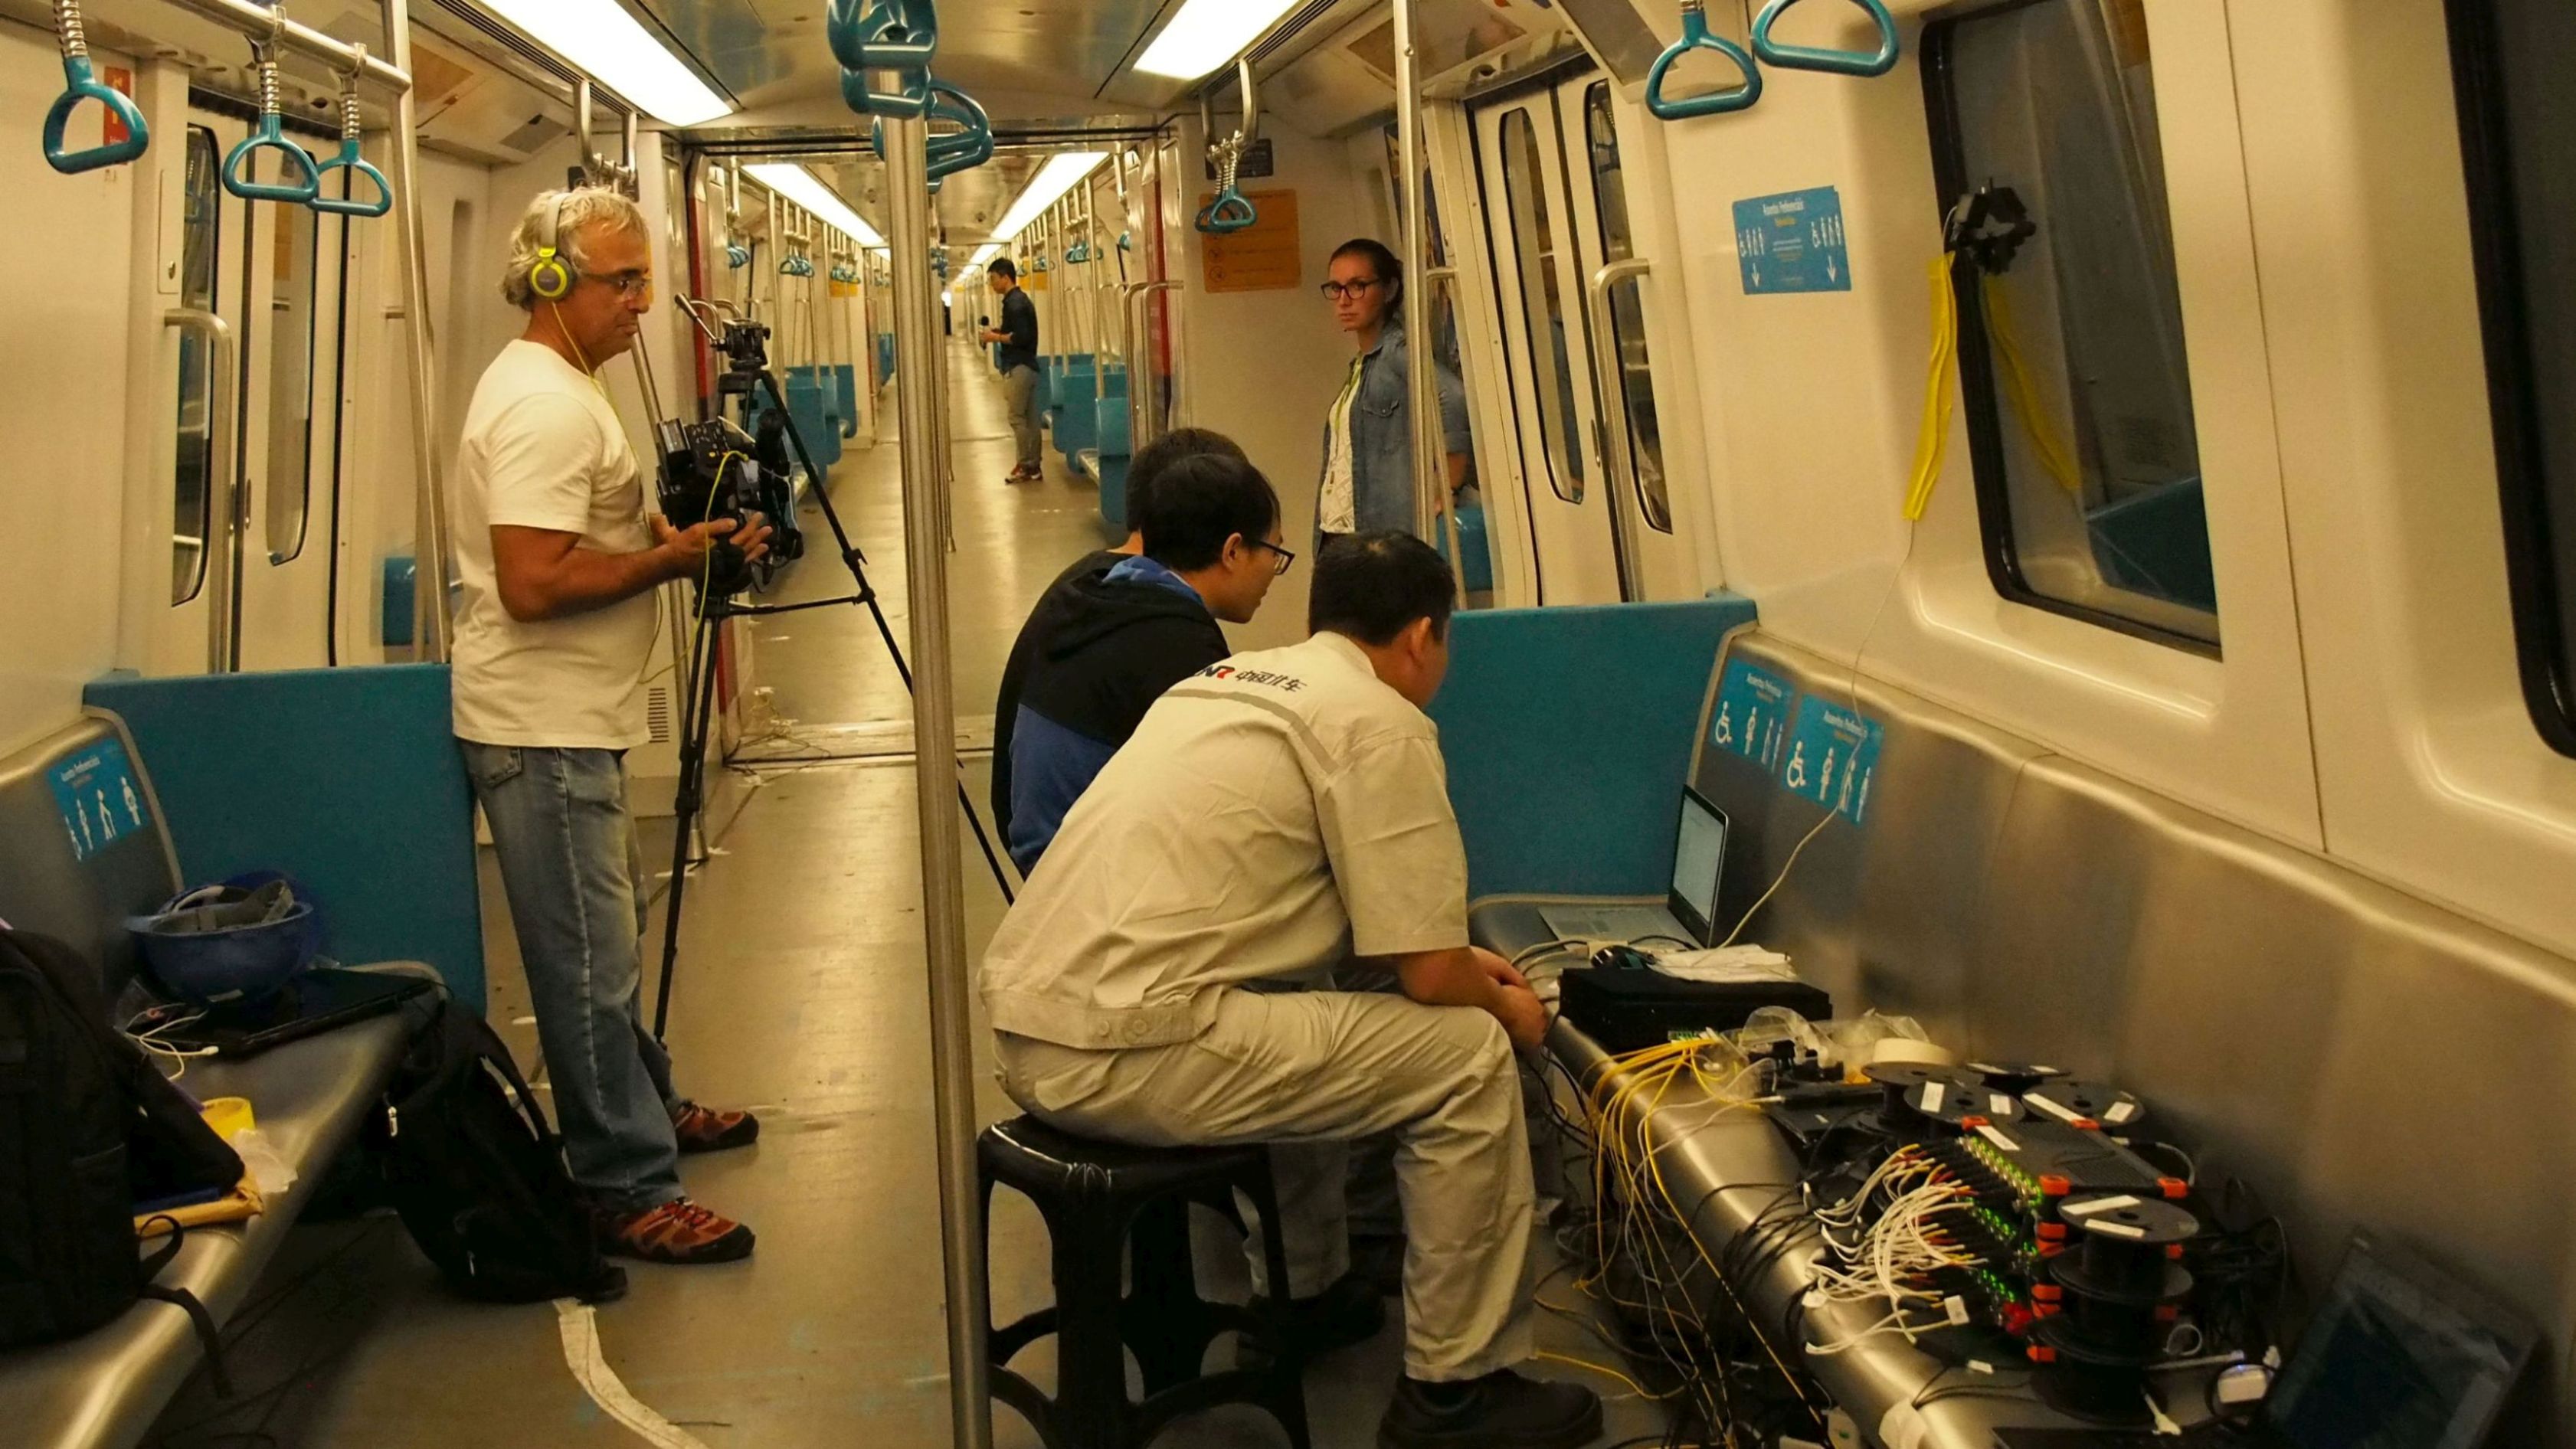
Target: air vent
540,130
657,714
506,38
1286,30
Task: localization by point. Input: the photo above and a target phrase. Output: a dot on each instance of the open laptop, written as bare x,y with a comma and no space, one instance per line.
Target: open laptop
1688,911
2399,1356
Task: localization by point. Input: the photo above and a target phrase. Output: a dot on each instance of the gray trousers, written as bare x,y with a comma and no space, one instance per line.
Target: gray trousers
1022,405
1307,1072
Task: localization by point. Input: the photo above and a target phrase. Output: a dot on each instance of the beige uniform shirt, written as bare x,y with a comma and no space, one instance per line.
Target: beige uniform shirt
1269,816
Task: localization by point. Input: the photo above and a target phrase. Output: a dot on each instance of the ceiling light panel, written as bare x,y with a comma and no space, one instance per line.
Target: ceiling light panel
800,186
601,38
1061,173
1206,35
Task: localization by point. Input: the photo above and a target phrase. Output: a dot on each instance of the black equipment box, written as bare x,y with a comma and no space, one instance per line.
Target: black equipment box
1627,1009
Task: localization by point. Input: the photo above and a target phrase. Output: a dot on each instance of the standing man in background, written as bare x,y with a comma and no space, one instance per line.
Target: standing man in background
1018,360
559,560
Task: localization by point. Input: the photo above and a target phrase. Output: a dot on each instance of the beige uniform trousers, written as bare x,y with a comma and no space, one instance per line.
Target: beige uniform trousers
1307,1072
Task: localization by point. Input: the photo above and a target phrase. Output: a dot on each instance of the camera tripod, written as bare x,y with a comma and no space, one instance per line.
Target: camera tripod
747,379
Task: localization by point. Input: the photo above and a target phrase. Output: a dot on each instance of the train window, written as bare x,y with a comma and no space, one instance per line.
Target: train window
1633,374
2071,343
1543,304
296,314
2517,120
193,483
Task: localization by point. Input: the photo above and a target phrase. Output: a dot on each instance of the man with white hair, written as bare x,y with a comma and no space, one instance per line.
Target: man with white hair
559,558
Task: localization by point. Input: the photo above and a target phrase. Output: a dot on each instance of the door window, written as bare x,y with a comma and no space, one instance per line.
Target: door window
2071,343
1631,371
294,381
192,487
1534,244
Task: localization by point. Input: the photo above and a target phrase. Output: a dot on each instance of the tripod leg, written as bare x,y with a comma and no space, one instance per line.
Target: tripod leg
868,595
697,714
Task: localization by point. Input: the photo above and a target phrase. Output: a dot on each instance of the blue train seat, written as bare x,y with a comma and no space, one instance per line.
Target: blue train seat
1476,557
1077,387
348,780
845,377
1110,449
809,413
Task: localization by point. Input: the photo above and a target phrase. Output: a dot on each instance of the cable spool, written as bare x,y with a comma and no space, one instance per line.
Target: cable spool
2115,1292
1959,1108
1898,1110
2014,1077
2097,1103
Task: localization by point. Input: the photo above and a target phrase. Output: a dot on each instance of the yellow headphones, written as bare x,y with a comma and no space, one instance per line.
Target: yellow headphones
551,278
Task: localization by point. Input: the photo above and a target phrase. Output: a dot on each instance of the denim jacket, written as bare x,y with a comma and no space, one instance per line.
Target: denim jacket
1381,439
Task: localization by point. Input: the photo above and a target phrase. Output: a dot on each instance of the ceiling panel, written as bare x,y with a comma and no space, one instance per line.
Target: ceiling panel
774,52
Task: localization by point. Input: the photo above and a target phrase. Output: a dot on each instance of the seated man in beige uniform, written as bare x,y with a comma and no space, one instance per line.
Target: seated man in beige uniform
1281,812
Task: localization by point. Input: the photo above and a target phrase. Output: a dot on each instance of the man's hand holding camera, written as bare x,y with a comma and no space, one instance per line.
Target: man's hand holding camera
687,549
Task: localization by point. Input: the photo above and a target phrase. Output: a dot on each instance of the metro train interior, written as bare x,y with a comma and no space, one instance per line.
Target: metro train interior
2073,502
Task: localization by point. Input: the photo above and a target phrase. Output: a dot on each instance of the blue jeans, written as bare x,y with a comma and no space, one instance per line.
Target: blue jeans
575,881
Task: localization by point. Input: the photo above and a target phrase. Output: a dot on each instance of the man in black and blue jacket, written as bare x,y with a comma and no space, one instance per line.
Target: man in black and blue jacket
1102,646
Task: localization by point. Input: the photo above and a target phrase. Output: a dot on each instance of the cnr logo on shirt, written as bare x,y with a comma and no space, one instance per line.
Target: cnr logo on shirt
1288,682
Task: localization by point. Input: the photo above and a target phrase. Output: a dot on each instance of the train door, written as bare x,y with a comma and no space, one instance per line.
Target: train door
1537,222
252,419
1655,560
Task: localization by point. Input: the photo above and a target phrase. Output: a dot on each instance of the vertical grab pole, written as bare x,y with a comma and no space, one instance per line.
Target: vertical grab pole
934,743
1431,500
430,625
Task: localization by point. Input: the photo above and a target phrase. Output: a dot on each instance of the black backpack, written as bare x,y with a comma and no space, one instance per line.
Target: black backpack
87,1127
478,1176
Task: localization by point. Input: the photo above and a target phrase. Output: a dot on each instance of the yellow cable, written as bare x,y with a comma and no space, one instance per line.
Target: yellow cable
1940,393
1640,1390
2056,458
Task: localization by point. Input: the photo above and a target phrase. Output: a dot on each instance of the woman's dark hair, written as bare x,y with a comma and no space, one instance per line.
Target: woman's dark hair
1004,267
1202,500
1372,586
1381,261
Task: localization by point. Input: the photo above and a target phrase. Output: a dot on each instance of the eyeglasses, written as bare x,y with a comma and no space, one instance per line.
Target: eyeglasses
629,285
1285,557
1336,291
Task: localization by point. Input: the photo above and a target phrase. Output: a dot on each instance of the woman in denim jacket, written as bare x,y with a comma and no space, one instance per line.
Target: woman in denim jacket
1368,440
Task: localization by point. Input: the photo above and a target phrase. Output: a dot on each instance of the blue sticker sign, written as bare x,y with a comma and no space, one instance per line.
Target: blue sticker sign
1753,709
1833,758
99,801
1793,242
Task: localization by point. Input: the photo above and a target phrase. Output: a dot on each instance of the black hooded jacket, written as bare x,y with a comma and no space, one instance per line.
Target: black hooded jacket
1093,657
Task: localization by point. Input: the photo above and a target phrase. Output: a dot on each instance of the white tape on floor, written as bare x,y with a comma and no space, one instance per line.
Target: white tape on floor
580,1325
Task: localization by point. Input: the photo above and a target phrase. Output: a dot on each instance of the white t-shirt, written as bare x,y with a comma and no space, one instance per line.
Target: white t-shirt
1338,510
544,449
1270,816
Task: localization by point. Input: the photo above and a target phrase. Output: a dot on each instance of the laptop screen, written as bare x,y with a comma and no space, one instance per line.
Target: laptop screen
1698,853
2398,1357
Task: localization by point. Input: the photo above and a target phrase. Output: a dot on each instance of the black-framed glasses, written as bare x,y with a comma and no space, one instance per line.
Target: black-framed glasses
1336,291
1285,557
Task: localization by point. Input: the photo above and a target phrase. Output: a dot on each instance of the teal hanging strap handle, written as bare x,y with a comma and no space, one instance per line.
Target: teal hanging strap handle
348,159
269,134
900,37
1837,62
81,83
962,150
1230,210
1697,36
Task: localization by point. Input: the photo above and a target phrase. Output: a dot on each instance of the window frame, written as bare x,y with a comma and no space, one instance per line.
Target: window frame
1558,445
2533,578
192,137
1978,395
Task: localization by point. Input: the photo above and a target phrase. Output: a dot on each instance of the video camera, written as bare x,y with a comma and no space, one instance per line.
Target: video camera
715,469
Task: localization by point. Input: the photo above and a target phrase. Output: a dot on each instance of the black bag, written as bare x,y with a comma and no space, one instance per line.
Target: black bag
87,1125
478,1176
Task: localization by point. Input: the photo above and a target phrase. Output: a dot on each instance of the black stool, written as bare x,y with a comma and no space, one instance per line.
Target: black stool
1103,1201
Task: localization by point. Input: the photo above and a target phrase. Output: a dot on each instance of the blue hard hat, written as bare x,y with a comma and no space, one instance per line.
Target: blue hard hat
228,942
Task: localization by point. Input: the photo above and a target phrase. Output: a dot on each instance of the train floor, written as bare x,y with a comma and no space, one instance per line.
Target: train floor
801,992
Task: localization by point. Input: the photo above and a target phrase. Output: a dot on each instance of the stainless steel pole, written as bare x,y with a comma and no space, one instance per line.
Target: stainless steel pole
254,20
934,744
430,630
1430,447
